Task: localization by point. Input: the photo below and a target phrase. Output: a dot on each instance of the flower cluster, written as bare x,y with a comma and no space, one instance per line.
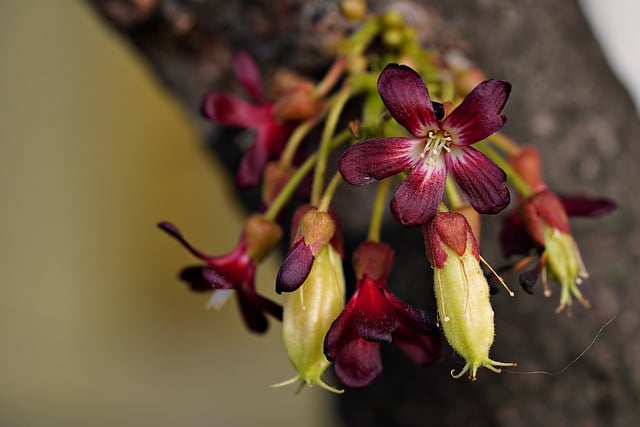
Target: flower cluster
439,146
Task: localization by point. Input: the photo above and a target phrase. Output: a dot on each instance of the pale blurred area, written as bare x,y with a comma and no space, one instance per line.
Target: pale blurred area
94,326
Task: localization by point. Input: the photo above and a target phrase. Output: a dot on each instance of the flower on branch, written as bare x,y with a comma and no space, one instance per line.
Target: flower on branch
435,148
235,271
541,223
272,122
373,316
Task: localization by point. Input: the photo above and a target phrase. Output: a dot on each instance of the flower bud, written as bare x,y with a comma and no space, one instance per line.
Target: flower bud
527,164
462,291
263,235
276,176
308,314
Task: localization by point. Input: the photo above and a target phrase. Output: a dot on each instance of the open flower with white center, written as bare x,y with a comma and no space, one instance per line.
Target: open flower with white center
434,149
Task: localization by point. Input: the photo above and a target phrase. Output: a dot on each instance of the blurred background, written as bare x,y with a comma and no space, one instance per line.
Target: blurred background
94,327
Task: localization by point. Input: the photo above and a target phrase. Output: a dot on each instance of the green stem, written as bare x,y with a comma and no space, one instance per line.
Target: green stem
504,143
512,176
323,206
375,223
289,189
452,193
325,143
295,139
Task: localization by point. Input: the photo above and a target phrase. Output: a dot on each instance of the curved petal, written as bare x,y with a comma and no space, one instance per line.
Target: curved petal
174,232
479,114
229,110
341,331
418,197
577,205
375,159
359,363
374,317
252,314
295,268
199,280
479,179
421,349
248,74
407,99
412,318
514,238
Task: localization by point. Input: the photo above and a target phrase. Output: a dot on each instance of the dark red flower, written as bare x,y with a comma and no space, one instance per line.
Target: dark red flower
235,271
541,222
435,148
271,132
373,316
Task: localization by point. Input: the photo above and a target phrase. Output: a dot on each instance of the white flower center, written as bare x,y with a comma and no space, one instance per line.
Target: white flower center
436,142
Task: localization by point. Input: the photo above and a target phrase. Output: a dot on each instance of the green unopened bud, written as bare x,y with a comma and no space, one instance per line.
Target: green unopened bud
462,291
565,265
308,314
353,10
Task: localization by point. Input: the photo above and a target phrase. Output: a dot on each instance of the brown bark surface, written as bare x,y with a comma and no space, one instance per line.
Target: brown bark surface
565,101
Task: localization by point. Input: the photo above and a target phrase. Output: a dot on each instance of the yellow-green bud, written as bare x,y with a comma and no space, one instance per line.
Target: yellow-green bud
462,291
565,264
308,314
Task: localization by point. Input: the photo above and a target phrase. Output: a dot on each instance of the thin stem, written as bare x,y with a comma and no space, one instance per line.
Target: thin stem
375,223
452,193
295,139
323,88
329,192
289,189
325,143
512,176
504,143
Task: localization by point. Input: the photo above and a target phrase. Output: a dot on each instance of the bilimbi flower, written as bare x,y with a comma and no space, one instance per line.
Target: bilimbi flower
435,148
272,122
373,316
541,221
462,291
235,271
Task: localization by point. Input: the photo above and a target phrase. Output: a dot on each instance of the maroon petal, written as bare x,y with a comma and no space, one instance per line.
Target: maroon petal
359,363
421,349
174,232
204,279
481,180
412,318
514,238
342,330
479,114
374,317
295,268
587,206
252,164
418,197
252,314
407,99
375,159
248,74
229,110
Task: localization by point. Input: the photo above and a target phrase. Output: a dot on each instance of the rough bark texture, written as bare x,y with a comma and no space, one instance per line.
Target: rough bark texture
565,101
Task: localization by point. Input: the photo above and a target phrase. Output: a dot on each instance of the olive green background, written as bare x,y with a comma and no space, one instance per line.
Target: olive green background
95,329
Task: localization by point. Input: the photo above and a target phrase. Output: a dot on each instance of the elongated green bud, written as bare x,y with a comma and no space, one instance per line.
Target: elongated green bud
308,314
462,291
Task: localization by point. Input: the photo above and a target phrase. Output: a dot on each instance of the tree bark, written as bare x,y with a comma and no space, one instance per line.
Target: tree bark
565,101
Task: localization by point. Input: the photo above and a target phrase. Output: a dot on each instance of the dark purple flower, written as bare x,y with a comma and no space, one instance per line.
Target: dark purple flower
373,316
435,148
234,271
271,132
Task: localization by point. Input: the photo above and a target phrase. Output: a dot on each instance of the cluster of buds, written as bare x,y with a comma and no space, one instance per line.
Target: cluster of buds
441,144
